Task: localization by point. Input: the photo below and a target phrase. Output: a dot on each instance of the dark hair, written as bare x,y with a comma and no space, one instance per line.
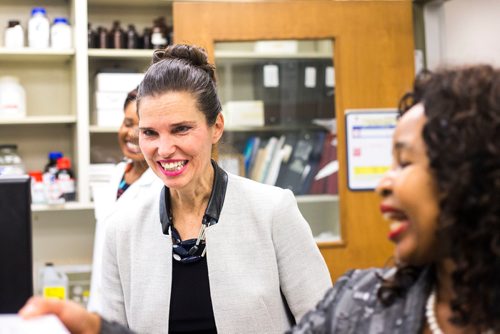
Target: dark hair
131,97
183,68
462,138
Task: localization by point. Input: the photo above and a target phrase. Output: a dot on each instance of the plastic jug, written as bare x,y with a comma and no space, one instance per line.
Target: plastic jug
12,98
54,283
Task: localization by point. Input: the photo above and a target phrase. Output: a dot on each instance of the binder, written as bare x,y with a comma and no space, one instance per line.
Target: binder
310,93
314,161
270,94
290,94
326,101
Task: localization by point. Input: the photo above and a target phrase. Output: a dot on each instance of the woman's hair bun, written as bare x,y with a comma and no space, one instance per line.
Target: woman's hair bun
190,54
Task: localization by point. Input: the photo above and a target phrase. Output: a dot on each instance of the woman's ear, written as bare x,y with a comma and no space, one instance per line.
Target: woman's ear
218,128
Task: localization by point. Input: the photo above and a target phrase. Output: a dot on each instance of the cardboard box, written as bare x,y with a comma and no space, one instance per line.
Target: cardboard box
244,113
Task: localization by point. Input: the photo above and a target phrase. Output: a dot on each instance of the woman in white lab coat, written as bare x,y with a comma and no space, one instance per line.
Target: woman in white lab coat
129,178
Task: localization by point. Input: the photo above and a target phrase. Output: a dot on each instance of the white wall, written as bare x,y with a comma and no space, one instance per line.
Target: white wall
463,31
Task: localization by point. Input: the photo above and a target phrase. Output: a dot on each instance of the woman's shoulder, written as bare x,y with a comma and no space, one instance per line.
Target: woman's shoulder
362,280
351,292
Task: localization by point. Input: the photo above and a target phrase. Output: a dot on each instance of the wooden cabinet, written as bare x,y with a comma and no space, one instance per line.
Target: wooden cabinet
373,56
374,66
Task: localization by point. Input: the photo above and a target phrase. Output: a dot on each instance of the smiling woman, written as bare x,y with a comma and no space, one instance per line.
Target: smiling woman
129,178
212,251
441,198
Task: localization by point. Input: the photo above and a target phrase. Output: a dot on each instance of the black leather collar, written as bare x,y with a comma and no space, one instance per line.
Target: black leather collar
214,206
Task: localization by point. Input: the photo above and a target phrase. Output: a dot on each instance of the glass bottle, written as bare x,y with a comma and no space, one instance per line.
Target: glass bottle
159,34
66,179
146,39
37,187
132,37
117,36
52,191
92,38
10,161
103,37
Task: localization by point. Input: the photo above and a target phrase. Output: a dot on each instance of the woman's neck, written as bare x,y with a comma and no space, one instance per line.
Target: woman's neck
444,282
188,205
444,296
194,198
134,172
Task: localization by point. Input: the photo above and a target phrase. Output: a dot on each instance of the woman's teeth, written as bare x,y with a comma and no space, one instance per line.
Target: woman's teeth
133,147
394,216
173,166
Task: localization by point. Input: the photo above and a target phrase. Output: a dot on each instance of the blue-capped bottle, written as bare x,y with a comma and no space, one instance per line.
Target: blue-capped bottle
53,192
60,34
38,29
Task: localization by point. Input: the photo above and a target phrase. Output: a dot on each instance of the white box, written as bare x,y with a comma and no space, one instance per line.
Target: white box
244,113
117,82
109,117
110,100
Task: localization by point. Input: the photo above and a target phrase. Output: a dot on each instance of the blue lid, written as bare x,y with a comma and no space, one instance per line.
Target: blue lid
61,20
38,10
55,155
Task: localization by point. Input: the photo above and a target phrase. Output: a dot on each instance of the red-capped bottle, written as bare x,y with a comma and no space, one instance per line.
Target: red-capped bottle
66,179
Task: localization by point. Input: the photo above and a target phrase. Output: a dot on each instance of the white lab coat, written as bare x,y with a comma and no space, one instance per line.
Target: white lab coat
105,203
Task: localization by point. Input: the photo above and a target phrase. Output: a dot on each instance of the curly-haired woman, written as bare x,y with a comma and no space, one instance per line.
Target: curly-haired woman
442,199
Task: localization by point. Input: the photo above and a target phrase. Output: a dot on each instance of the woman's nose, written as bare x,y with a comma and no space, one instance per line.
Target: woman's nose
385,184
133,134
166,148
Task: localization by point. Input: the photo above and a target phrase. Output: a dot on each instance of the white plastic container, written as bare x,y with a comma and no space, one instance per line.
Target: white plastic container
12,98
38,29
60,34
14,35
53,283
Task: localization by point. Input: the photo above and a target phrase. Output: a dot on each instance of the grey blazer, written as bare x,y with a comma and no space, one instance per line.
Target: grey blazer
261,245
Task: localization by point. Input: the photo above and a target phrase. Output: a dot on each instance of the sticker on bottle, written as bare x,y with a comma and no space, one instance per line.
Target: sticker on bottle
57,292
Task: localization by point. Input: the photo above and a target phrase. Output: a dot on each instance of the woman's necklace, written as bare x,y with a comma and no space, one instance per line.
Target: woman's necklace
430,314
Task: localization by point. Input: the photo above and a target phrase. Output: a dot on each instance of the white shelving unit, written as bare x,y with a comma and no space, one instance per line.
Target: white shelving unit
59,90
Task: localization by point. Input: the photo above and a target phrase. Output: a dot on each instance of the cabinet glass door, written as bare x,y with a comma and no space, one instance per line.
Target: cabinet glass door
278,102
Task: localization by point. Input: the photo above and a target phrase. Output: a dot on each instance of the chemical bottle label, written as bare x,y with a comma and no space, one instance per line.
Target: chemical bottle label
57,292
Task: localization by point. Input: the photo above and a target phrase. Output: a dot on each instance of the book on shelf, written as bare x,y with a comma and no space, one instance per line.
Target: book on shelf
326,178
295,161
